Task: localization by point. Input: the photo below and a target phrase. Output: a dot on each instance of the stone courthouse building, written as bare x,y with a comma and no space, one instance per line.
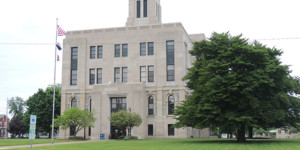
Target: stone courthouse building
138,68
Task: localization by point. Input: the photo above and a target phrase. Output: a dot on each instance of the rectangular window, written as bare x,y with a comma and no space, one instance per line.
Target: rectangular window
124,74
150,105
170,61
117,75
124,50
74,58
100,51
99,76
92,52
73,77
150,73
145,9
138,9
143,73
90,131
117,50
92,76
150,48
170,73
74,61
118,103
143,49
150,129
170,52
171,130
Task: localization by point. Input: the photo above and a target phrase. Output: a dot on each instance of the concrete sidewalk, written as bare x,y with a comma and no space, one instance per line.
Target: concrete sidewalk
46,144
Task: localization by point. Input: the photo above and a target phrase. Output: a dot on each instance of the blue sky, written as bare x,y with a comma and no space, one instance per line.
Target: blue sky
26,68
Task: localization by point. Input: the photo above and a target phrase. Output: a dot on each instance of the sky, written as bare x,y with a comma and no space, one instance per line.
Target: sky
27,31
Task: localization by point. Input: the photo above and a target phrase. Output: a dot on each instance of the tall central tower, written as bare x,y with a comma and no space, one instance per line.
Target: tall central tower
144,12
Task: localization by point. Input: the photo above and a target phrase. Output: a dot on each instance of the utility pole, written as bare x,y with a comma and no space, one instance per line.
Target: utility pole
6,132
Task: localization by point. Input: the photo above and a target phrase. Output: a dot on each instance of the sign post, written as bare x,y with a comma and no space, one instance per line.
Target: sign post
32,129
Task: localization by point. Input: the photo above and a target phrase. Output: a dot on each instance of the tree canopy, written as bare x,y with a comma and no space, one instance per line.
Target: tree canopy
123,119
75,118
16,107
238,85
16,127
40,104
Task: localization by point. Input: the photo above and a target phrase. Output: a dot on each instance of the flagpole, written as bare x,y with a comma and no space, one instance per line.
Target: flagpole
54,84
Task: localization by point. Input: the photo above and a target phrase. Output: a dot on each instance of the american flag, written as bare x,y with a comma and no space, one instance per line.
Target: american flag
60,31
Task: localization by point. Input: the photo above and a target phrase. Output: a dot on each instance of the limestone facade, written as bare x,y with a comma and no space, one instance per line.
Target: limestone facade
130,64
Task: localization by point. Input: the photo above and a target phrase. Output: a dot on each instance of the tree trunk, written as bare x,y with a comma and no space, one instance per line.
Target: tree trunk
250,130
84,134
241,134
129,131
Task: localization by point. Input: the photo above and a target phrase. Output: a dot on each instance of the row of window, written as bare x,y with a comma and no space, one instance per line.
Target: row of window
171,130
120,74
285,130
93,52
145,48
119,103
171,105
150,73
122,50
99,76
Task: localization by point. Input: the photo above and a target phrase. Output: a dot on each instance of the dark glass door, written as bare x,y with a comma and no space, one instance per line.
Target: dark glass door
117,104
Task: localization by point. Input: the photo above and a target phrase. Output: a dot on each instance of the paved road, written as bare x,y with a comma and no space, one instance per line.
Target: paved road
38,145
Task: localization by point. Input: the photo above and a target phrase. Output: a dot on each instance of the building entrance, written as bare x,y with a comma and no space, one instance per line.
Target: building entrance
117,104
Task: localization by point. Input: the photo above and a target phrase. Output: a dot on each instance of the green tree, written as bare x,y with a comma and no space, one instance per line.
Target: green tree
16,107
16,127
238,85
76,118
40,104
123,119
119,119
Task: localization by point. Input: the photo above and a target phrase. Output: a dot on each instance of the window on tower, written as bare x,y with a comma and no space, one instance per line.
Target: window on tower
145,9
138,9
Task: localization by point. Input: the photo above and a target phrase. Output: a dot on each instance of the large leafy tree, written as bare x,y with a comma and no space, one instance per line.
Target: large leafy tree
17,127
238,85
75,118
123,119
16,107
40,104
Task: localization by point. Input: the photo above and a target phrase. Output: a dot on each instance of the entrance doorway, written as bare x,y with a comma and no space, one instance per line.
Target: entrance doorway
117,104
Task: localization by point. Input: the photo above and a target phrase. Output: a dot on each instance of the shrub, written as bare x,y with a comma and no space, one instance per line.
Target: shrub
76,138
131,138
121,137
13,136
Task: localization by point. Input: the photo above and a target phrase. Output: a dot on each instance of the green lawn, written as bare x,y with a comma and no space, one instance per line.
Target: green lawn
181,144
12,142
